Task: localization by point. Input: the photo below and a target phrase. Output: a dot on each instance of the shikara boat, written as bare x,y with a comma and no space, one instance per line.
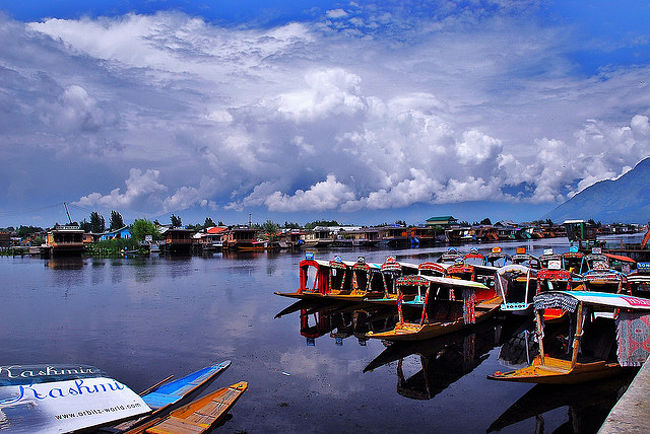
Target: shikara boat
338,280
556,280
525,259
450,256
516,285
314,279
391,270
497,258
602,279
162,396
639,281
549,256
474,257
199,416
439,306
586,351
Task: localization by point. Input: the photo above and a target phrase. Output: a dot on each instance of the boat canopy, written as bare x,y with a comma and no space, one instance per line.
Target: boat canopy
620,258
603,275
514,268
568,300
433,267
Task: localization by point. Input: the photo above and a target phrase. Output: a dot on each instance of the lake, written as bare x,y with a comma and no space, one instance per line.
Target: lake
143,319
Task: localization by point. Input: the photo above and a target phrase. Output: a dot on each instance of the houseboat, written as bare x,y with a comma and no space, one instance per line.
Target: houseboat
239,239
64,240
178,241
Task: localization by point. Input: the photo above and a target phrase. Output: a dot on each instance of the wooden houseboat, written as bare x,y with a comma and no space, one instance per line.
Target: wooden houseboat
64,240
240,239
178,241
598,346
319,237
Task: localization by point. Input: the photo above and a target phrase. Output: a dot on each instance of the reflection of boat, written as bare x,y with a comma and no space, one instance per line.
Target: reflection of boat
164,395
443,360
437,311
199,416
586,351
588,407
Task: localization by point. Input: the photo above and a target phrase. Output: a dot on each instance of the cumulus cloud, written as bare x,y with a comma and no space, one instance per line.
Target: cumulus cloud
324,195
330,91
138,185
363,108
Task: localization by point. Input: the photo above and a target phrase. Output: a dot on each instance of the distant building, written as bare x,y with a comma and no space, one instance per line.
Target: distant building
445,220
5,239
123,232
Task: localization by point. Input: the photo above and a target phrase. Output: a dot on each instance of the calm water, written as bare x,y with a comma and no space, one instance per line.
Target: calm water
142,319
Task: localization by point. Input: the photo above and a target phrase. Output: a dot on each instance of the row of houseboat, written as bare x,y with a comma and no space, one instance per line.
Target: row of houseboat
581,303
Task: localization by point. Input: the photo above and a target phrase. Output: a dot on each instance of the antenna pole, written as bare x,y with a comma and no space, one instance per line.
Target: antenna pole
65,204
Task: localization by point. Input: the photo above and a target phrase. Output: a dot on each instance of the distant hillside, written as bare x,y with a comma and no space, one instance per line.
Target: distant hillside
626,200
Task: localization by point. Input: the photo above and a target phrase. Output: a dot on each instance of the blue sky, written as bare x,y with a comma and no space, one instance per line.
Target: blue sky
360,111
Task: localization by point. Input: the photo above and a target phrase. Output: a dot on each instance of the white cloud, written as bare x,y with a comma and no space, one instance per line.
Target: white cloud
384,107
324,195
329,92
336,13
138,186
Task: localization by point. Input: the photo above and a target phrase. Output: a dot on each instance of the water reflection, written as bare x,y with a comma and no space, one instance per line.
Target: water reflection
443,360
587,405
69,263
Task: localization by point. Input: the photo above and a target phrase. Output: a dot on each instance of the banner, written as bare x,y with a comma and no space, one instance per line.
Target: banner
34,403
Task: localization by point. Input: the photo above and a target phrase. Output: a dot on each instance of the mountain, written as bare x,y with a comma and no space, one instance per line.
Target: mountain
625,200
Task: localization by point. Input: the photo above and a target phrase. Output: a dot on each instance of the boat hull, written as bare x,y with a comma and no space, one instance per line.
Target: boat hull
416,332
556,371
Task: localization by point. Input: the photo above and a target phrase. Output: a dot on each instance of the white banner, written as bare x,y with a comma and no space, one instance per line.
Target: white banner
63,406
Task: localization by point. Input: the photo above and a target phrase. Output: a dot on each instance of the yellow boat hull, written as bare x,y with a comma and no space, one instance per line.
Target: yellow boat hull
557,371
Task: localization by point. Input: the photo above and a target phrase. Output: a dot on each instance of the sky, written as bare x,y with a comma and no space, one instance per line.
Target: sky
363,112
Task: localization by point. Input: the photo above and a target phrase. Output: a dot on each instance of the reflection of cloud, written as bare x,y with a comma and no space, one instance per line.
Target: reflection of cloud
316,364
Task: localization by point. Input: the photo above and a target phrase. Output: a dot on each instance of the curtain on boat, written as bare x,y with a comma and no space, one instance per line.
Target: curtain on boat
633,336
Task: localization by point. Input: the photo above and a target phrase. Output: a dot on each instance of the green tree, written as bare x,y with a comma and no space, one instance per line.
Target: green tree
208,223
143,227
176,220
291,225
116,220
25,231
270,229
85,225
312,225
97,223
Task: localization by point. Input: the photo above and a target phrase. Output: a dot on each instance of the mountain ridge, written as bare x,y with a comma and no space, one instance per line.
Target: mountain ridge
625,199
